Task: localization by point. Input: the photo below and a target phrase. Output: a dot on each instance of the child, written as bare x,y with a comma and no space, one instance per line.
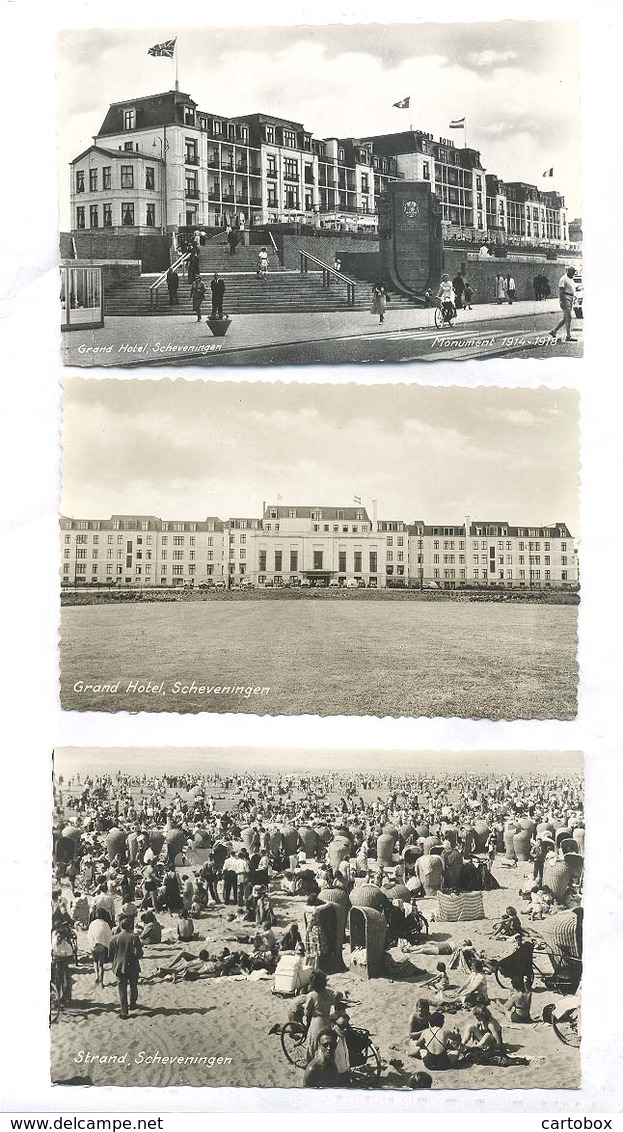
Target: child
439,983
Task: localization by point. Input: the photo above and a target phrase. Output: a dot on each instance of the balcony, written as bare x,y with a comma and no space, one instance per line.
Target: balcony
272,173
241,167
294,176
255,201
213,162
214,194
228,166
255,170
191,159
228,197
192,194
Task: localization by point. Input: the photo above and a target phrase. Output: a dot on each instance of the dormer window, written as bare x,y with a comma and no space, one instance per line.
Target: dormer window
129,119
189,116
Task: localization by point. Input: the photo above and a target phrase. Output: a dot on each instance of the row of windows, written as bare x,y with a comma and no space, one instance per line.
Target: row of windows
127,177
128,216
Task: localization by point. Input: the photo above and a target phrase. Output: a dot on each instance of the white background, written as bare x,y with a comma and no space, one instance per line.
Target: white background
33,722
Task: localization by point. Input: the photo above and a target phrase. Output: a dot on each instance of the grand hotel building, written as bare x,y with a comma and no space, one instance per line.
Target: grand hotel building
159,163
289,544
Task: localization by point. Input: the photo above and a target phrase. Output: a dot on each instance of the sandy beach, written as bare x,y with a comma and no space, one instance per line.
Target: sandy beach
229,1018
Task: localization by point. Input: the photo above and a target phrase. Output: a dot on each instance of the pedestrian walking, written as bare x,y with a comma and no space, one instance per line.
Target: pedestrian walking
510,290
459,288
379,300
217,288
468,295
232,240
197,292
566,295
125,952
499,289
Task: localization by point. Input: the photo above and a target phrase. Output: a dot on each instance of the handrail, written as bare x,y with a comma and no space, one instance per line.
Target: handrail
74,248
153,290
327,272
272,241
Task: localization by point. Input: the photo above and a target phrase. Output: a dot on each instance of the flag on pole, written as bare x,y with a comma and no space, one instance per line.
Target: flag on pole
549,172
279,498
166,49
457,124
403,104
357,500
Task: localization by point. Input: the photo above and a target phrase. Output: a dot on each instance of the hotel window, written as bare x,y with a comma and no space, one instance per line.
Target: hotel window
150,177
270,134
390,556
435,573
358,557
318,559
278,561
262,560
475,560
563,546
294,561
150,216
81,553
80,222
67,538
365,183
107,218
107,177
127,176
272,196
93,216
129,119
563,575
92,180
326,528
66,553
290,169
189,116
80,180
191,554
400,541
373,561
436,544
289,139
178,540
178,571
563,560
390,541
243,538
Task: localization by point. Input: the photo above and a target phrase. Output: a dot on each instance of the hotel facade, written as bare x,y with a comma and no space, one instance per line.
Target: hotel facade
159,163
321,545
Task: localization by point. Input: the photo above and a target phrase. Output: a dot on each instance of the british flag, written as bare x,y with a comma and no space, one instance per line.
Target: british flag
166,49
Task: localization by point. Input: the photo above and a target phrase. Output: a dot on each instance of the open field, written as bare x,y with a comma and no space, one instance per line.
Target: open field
325,658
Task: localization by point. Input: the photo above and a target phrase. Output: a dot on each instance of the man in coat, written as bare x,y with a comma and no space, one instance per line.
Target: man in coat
217,287
125,952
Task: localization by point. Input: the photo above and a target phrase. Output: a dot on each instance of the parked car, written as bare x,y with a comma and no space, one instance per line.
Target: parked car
352,584
305,582
334,584
372,584
220,584
361,583
247,584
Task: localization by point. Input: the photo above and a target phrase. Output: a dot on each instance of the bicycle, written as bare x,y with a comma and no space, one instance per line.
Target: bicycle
528,962
364,1057
445,314
565,1020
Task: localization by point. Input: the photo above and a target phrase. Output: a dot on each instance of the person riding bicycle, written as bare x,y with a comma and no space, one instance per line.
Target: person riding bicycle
446,297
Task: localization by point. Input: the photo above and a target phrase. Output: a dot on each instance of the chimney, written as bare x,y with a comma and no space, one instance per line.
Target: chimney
468,523
374,510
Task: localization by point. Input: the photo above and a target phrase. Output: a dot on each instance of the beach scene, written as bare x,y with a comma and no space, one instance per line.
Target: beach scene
320,919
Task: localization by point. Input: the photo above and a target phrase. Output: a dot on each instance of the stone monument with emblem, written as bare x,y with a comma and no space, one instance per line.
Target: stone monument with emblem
410,237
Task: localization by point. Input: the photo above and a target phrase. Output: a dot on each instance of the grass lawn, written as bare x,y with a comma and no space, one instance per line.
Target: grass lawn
325,658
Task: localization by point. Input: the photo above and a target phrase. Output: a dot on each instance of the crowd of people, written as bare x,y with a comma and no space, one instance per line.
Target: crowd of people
143,860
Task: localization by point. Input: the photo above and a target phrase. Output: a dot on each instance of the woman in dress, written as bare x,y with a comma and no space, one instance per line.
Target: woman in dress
319,1008
379,299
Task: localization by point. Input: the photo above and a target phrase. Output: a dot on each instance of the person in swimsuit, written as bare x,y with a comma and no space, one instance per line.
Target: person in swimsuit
436,1044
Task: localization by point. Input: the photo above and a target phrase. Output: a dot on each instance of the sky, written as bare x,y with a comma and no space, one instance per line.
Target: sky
149,760
189,449
517,84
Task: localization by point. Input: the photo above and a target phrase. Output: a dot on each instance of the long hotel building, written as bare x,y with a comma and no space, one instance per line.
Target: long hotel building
161,163
320,544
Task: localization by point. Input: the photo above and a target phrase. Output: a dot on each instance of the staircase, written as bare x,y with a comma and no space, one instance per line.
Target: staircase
286,292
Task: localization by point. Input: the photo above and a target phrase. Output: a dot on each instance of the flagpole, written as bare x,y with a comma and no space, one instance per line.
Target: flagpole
177,81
